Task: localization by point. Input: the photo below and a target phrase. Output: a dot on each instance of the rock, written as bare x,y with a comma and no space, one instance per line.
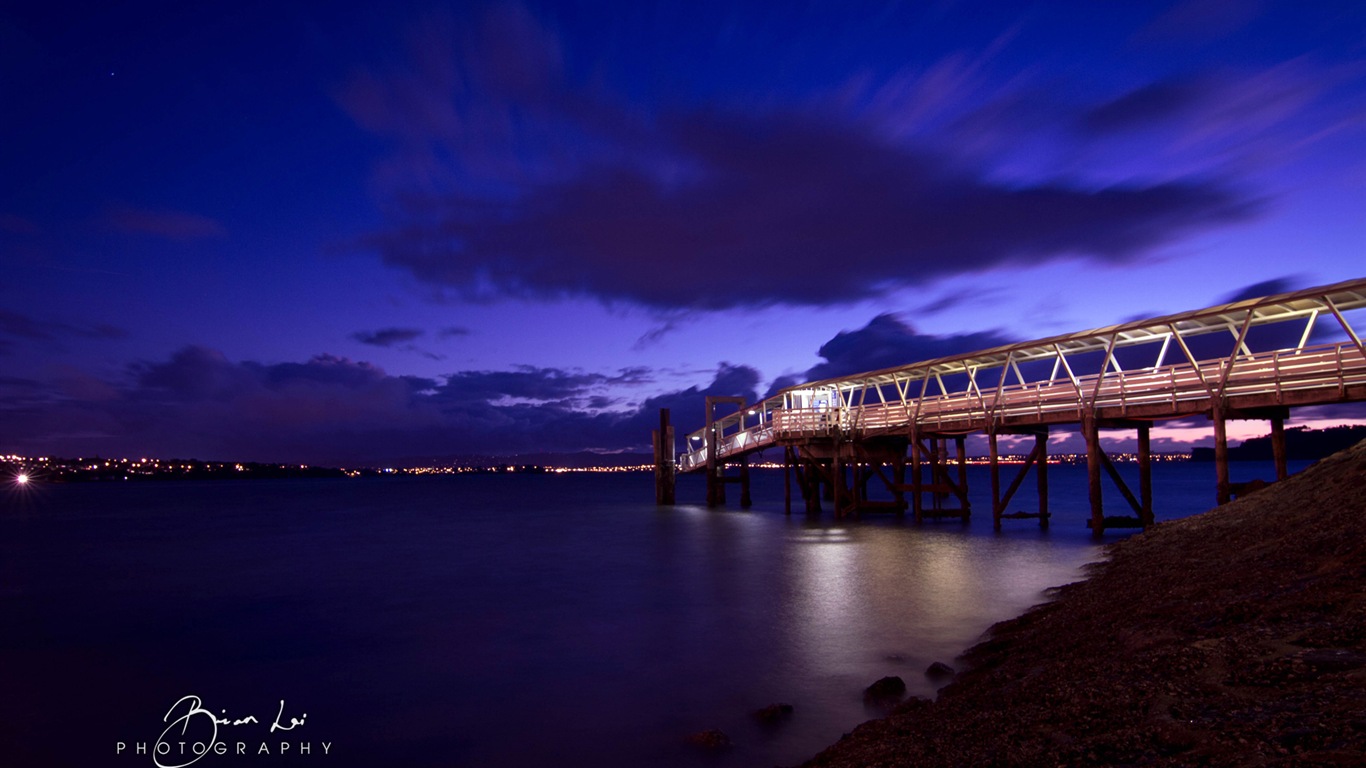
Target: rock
713,739
888,690
772,714
1247,650
939,670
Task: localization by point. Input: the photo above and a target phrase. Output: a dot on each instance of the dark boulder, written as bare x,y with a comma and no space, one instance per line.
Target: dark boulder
939,671
712,740
888,690
773,714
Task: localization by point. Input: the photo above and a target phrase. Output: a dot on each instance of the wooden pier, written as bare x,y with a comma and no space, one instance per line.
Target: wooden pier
839,436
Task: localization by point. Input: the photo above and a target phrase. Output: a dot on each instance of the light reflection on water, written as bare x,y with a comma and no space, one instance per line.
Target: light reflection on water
496,620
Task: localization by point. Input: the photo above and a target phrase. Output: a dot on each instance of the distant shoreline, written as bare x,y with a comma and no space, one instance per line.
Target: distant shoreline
1303,444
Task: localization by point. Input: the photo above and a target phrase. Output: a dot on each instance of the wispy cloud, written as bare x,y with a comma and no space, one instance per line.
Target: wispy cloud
387,337
16,326
166,224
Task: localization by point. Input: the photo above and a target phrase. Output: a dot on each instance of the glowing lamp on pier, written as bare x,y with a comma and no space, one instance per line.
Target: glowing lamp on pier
21,479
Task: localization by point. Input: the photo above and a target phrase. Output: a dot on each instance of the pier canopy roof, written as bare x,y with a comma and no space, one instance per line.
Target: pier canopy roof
1235,317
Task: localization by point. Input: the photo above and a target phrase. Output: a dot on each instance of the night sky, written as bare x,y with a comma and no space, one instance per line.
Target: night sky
350,232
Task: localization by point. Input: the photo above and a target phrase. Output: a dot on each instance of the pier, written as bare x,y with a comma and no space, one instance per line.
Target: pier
904,428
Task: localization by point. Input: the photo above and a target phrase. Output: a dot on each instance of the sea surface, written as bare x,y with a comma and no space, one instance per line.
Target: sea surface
493,620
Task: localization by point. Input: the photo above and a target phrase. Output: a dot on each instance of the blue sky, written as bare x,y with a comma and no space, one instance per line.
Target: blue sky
265,231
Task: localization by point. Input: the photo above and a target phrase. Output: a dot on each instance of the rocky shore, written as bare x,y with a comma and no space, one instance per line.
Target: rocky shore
1232,638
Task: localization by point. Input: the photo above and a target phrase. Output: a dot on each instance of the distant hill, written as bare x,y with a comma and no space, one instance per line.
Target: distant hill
1300,443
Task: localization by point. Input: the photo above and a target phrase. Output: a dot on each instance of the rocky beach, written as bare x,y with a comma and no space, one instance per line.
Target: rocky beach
1236,637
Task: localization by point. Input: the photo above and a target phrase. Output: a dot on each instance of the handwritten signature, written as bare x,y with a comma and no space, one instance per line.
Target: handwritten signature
193,711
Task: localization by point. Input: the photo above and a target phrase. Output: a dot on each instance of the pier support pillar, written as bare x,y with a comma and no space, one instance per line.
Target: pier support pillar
1041,445
716,479
745,501
942,483
939,472
1145,475
1091,433
837,484
787,480
899,484
1037,460
664,460
961,443
813,488
916,478
1278,446
995,481
1223,489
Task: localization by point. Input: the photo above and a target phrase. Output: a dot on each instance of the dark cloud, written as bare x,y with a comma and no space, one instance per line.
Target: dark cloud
170,225
537,384
656,333
687,407
331,410
1145,105
452,332
510,179
1269,287
887,341
387,337
836,215
529,383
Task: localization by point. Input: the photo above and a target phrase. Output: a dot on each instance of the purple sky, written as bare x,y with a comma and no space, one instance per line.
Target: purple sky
354,234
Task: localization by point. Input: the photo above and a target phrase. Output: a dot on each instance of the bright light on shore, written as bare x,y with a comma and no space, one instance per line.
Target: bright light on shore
21,479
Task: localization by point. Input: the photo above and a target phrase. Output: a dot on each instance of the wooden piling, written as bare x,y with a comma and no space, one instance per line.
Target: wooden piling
787,480
917,478
745,501
1278,446
813,488
1041,445
995,481
1145,475
1091,433
940,472
837,483
664,460
1223,490
899,483
961,443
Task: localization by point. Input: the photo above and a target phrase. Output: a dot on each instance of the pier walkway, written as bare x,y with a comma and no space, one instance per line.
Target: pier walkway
1251,359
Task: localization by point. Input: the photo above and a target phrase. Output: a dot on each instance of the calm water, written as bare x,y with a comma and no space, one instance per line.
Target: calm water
491,620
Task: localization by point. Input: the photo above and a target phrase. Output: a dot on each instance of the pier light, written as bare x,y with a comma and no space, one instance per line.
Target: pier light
21,479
